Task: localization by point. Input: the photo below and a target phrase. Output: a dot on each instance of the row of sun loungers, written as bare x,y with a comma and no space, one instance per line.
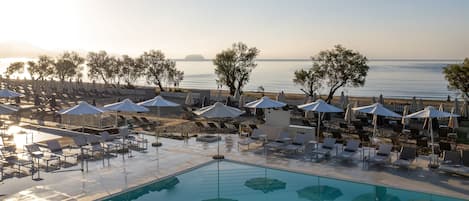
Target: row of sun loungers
53,154
454,162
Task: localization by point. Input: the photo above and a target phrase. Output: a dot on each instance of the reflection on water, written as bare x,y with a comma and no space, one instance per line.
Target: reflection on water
227,181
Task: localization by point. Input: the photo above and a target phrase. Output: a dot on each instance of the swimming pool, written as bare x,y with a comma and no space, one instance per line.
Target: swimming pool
229,181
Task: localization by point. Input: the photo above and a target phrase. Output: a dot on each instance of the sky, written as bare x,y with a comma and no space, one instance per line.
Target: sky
422,29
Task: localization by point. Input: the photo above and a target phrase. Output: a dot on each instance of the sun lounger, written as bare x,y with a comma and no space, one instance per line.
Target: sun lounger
9,157
383,156
350,149
281,141
255,137
108,141
406,157
35,152
56,149
454,163
326,148
298,143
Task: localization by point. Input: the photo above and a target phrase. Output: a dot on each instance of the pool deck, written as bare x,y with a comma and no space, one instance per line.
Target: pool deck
176,156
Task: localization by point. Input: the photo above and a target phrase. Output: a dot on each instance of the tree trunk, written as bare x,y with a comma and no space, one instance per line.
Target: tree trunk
160,86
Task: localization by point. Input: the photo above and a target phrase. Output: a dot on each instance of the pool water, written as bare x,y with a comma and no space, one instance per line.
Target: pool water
229,181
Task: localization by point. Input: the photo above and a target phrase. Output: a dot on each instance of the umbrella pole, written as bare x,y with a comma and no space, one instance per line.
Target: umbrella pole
319,125
375,126
218,156
432,158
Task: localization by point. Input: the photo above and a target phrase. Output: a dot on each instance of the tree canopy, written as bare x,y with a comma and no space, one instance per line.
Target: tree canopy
336,68
15,67
42,68
458,77
159,69
310,79
233,66
101,66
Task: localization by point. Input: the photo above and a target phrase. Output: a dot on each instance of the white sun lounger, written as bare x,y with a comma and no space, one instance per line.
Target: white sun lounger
383,156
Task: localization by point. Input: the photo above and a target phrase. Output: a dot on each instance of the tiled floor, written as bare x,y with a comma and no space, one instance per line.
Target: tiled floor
175,156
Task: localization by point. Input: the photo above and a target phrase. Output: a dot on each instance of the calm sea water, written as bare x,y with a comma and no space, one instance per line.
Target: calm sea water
394,79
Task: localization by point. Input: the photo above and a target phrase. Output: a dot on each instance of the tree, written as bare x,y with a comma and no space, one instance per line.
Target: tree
15,67
458,77
339,67
77,62
159,69
43,68
101,66
234,66
131,69
32,69
310,79
64,68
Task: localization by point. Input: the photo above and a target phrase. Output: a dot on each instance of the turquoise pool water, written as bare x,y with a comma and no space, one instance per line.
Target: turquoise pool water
230,181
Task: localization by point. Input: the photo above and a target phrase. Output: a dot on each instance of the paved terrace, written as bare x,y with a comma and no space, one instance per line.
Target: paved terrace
175,156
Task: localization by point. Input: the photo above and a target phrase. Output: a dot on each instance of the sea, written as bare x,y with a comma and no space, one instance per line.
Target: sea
393,78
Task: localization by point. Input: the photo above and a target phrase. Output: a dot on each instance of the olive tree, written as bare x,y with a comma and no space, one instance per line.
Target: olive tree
101,66
42,68
15,67
159,69
458,77
233,66
336,68
309,79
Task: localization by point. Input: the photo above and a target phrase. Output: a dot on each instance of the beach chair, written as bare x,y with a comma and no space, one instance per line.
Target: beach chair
282,140
326,148
453,163
9,157
350,149
406,157
297,144
56,149
108,141
255,137
95,147
383,156
35,152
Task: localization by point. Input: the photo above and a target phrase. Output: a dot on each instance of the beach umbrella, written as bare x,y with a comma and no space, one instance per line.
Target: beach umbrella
381,99
83,108
5,93
265,102
342,99
405,111
346,102
319,193
158,101
281,97
349,115
126,105
420,105
464,109
413,105
376,110
319,106
456,105
241,101
219,95
236,94
189,100
7,109
453,121
429,113
218,111
373,99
